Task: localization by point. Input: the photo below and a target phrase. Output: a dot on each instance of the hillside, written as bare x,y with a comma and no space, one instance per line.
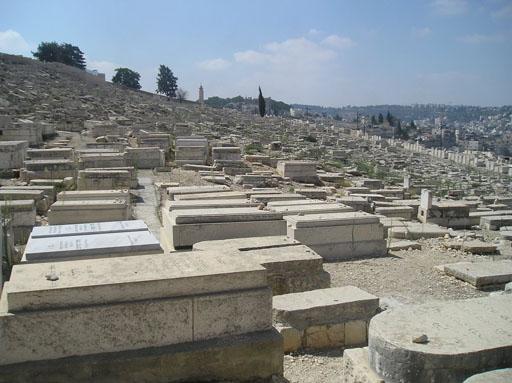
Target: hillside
63,95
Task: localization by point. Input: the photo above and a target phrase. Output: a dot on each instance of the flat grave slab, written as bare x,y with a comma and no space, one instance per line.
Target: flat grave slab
121,279
88,228
223,215
90,246
324,306
482,274
331,219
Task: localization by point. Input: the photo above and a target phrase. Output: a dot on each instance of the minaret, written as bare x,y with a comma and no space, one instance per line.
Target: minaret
201,94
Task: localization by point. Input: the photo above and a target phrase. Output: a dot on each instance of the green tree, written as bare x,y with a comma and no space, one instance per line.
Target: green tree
64,53
126,77
374,120
381,118
166,82
261,104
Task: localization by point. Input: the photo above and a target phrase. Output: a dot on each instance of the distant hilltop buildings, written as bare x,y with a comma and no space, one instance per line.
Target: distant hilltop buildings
201,95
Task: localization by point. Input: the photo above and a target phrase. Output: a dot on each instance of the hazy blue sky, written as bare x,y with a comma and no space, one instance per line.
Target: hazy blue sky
334,53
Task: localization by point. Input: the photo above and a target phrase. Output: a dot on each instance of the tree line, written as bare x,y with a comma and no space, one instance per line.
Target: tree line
65,53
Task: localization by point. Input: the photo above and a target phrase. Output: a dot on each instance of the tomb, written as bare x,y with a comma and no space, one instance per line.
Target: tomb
12,154
339,236
191,150
179,190
149,318
57,248
291,267
48,169
183,228
22,215
300,171
145,158
332,317
495,222
103,179
452,214
38,196
315,208
86,211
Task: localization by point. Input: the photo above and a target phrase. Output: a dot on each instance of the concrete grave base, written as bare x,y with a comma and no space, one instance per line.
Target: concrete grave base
257,355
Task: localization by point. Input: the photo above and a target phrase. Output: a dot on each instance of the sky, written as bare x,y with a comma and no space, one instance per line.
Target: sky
319,52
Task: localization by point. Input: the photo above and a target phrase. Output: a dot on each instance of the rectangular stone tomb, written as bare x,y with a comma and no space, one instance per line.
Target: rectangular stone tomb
291,267
113,305
236,214
183,228
65,248
331,317
482,275
311,209
339,236
495,222
88,228
210,196
462,338
74,195
208,204
179,190
85,211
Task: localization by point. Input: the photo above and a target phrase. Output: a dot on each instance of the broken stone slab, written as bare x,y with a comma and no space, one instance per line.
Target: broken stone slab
404,245
246,244
473,246
74,247
482,275
88,228
265,198
459,345
414,230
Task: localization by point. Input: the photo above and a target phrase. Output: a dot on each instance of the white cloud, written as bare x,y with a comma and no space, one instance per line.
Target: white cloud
313,32
338,41
421,32
291,52
106,67
450,7
503,13
214,64
14,43
480,39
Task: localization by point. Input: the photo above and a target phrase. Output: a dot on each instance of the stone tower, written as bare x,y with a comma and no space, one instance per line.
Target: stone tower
201,94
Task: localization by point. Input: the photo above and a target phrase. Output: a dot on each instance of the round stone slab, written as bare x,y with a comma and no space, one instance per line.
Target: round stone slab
462,338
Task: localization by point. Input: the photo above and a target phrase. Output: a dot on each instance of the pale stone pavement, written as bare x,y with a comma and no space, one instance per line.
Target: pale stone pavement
147,204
